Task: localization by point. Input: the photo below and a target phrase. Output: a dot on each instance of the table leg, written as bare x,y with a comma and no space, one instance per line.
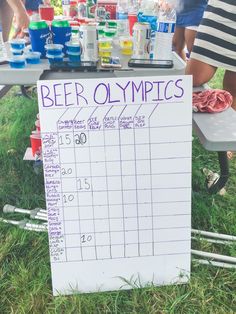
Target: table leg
4,90
224,173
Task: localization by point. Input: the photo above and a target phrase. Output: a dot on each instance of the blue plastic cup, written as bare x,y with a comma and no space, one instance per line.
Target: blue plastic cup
33,57
16,52
17,44
74,57
55,59
54,49
17,62
74,47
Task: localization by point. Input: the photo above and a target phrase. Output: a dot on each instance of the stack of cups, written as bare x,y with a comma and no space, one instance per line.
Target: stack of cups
54,53
105,48
17,46
74,51
35,139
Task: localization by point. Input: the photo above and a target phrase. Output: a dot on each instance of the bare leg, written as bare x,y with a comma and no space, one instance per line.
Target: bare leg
202,72
6,15
179,42
229,84
189,38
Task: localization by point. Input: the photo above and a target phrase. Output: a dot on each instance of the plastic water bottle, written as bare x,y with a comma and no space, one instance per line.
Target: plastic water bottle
3,52
82,13
165,31
66,8
122,17
133,10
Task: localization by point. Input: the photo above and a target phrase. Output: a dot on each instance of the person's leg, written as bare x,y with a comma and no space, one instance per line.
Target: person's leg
190,35
179,42
229,84
201,71
6,16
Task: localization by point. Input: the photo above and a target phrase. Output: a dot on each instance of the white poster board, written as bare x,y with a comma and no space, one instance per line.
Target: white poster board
117,168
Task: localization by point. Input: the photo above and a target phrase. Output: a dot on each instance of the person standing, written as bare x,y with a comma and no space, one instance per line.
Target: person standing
215,46
8,8
189,15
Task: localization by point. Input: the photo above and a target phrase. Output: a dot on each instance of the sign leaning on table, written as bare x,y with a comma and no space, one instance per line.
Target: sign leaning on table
117,169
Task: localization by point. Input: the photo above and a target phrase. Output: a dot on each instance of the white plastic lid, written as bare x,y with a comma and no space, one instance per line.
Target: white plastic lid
53,47
73,44
16,59
54,57
17,41
33,54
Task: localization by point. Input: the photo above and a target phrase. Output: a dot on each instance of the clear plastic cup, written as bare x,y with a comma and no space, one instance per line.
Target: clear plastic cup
33,57
55,58
74,57
73,46
17,43
105,43
54,49
17,62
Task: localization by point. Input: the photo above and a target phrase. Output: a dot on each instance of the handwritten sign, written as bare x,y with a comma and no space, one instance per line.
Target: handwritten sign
117,168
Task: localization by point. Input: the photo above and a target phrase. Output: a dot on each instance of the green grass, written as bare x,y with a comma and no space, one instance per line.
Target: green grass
25,280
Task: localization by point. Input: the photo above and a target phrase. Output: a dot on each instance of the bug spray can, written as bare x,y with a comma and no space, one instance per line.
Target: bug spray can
89,41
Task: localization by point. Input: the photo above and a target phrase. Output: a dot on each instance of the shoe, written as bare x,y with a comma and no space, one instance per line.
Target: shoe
211,179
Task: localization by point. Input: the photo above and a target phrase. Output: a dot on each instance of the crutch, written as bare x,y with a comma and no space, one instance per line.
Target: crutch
213,259
27,225
37,213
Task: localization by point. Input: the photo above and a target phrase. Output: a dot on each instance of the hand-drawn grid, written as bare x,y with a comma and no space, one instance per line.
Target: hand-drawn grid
125,183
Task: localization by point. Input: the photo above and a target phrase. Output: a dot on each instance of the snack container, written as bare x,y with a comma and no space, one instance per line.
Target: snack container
17,62
33,57
16,52
54,49
73,46
74,57
17,44
55,59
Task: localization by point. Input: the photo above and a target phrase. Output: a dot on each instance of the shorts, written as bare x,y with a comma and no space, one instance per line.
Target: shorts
190,12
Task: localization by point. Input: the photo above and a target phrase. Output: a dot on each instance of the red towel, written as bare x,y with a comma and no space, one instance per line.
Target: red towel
212,100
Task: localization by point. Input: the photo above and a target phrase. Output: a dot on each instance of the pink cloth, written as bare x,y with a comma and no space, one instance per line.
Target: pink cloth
212,100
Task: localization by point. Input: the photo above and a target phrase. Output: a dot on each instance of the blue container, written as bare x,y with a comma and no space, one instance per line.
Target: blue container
54,49
17,44
17,62
74,57
61,31
73,47
33,57
55,59
16,52
39,35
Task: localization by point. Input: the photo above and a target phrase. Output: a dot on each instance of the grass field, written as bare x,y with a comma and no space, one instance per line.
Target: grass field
25,283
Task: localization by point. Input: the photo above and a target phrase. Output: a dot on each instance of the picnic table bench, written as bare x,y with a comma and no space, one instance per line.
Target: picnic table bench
217,132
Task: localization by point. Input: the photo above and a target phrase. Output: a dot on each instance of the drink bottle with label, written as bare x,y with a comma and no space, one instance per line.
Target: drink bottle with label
90,9
165,31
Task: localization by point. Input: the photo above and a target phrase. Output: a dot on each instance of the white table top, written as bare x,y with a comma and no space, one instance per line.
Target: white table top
32,73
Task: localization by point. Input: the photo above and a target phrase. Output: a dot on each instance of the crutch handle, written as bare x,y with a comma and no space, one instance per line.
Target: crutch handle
9,208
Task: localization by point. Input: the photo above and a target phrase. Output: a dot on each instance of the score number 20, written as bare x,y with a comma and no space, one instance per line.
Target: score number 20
66,139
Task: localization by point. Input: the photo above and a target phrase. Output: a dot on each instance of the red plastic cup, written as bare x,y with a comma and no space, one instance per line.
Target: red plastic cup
36,143
132,20
46,12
